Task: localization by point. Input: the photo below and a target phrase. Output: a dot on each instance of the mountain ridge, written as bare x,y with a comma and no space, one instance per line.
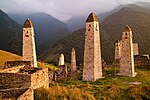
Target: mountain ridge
10,36
111,30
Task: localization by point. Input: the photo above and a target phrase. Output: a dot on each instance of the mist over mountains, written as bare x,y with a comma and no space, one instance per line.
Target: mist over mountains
111,30
47,28
53,36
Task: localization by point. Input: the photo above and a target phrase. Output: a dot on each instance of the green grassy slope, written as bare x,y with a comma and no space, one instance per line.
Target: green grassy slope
111,87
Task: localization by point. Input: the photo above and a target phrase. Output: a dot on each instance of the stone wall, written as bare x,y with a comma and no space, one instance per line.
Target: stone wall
61,73
35,80
118,49
14,85
27,95
10,64
12,93
142,61
11,70
135,49
127,58
40,79
14,80
17,93
52,75
92,68
29,49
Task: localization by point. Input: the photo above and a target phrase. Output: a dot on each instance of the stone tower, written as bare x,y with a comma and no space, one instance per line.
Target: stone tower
117,50
135,49
73,61
61,60
92,68
29,50
127,58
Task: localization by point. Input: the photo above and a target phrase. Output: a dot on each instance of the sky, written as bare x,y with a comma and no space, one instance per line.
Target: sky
62,9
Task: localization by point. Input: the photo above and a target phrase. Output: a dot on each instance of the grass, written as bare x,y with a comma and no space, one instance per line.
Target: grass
111,87
6,56
62,93
46,65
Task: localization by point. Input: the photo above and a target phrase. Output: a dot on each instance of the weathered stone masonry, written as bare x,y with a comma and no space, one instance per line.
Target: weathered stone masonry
127,58
92,69
73,61
29,50
24,78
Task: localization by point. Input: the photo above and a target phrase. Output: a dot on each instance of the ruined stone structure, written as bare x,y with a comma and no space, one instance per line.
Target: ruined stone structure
127,58
17,94
118,45
142,61
17,81
19,78
73,61
92,68
29,50
135,49
25,77
10,64
61,73
61,60
117,50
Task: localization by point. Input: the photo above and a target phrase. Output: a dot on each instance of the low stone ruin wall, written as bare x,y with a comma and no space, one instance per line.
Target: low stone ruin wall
61,73
10,64
17,93
142,61
40,79
11,70
14,80
27,95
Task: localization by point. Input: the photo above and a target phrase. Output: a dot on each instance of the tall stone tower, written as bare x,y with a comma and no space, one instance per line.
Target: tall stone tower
29,50
61,60
117,50
127,58
92,69
73,61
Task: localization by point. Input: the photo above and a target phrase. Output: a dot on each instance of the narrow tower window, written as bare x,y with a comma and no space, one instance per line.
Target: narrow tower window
96,28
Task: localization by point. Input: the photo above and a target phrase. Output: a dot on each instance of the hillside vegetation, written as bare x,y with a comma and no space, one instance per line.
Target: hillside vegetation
111,30
10,34
111,87
7,56
47,28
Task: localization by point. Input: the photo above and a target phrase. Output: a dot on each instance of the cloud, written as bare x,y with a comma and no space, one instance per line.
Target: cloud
61,9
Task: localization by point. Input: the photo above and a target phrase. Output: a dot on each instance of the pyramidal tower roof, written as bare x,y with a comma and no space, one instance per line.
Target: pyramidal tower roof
126,28
92,17
28,24
73,50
